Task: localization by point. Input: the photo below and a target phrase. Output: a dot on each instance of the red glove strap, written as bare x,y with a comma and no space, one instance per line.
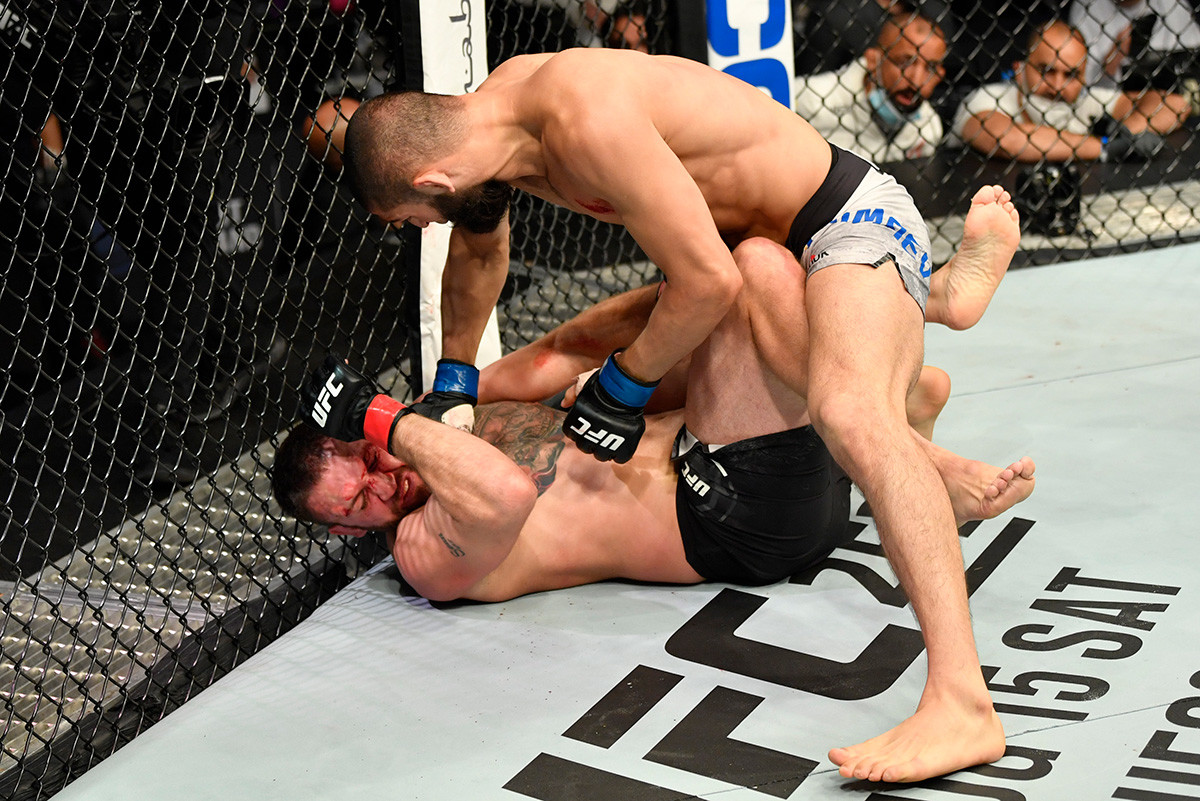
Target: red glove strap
377,425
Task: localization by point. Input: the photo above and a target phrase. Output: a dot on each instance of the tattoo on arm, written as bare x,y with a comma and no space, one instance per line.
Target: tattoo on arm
531,435
451,545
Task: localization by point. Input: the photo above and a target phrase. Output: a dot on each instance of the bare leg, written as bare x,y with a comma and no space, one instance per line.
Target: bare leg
960,291
856,399
927,399
980,491
748,377
542,368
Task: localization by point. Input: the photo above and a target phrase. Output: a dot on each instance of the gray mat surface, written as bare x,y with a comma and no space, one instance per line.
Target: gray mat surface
1086,604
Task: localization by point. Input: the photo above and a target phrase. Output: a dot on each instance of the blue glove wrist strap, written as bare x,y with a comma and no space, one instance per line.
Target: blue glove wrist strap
456,376
622,387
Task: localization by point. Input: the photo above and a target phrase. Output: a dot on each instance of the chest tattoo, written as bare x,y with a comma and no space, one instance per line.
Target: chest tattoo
530,434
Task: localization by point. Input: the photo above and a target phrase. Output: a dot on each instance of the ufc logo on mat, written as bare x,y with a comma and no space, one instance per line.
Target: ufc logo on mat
320,412
599,436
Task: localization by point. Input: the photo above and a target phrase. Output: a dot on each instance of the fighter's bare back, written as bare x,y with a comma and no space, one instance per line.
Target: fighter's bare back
756,163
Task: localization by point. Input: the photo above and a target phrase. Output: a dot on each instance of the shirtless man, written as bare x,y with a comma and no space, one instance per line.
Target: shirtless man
737,389
691,161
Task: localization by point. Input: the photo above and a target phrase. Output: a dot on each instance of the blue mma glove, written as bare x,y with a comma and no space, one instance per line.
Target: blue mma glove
607,419
454,395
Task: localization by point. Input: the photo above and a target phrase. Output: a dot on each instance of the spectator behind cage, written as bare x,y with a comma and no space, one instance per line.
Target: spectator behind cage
878,105
1107,27
1046,113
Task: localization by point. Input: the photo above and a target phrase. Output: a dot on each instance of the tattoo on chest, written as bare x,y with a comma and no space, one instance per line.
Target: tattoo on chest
529,433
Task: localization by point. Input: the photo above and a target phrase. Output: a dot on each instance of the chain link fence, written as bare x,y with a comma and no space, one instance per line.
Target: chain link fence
1085,110
564,262
178,250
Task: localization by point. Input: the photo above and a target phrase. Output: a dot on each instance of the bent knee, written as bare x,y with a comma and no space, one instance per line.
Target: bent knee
930,395
767,264
855,424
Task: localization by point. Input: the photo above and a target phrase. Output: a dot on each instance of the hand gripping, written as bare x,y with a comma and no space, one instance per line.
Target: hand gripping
607,419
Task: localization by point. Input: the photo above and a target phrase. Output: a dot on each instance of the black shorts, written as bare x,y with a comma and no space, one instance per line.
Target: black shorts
762,509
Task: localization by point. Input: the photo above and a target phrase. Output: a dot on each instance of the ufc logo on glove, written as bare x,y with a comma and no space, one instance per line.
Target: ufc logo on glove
606,419
599,436
320,411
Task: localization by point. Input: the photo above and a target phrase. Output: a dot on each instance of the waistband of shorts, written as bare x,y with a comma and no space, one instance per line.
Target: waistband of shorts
846,172
686,441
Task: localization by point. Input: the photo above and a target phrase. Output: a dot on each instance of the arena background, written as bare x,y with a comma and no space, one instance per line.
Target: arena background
176,254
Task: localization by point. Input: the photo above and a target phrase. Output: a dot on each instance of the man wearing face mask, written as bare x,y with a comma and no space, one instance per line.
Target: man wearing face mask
1046,113
878,105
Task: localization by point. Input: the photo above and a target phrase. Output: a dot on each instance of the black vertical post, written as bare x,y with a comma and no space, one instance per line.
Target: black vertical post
688,24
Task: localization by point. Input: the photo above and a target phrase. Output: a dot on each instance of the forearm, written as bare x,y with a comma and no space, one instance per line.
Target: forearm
478,504
475,272
1158,112
476,484
685,314
1037,143
1000,136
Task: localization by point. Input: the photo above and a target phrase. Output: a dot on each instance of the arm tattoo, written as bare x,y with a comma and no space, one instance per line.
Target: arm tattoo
531,435
451,545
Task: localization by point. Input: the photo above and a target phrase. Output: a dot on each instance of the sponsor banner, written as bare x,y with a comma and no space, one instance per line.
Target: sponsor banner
752,40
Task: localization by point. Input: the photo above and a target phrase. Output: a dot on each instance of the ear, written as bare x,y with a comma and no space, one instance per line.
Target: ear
434,180
347,531
873,54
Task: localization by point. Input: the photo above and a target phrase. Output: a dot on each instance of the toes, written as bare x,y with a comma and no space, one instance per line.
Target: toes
841,756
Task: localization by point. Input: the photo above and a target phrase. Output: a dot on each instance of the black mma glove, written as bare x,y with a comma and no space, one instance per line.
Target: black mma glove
453,397
1118,143
607,420
346,405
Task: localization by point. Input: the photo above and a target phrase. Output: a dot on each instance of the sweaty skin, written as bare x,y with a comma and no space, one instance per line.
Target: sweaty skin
620,130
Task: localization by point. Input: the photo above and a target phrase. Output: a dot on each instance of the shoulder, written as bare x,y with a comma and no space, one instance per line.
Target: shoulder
518,67
493,420
575,88
583,68
990,97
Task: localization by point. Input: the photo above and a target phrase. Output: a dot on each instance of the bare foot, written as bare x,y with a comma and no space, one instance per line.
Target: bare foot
988,491
961,290
942,736
978,490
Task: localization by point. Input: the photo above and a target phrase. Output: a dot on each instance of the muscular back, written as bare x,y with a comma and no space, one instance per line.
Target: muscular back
755,161
592,520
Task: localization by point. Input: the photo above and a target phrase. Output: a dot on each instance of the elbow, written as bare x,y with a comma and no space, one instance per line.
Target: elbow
730,286
510,502
721,290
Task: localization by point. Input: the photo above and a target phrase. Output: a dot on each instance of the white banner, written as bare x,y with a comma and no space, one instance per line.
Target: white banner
454,62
